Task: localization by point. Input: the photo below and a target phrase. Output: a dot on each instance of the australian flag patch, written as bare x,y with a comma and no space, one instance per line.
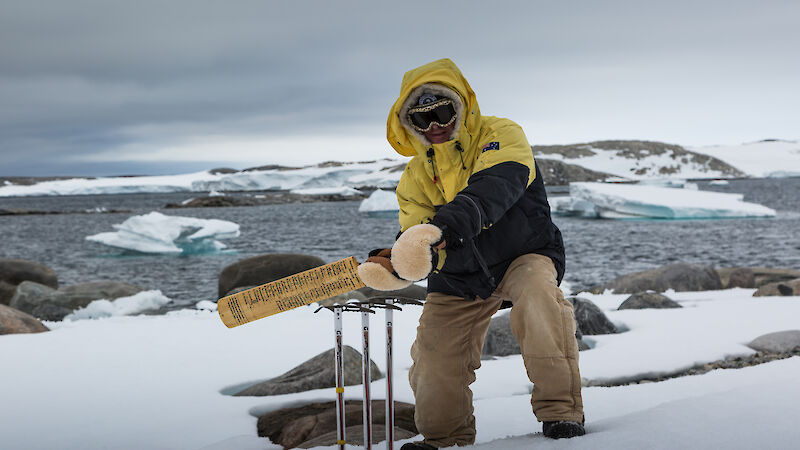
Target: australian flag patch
491,146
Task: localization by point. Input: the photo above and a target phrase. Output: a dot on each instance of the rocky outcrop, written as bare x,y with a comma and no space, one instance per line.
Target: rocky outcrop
316,373
314,424
779,289
50,304
778,342
15,271
680,277
648,300
590,319
13,321
273,198
262,269
559,173
741,276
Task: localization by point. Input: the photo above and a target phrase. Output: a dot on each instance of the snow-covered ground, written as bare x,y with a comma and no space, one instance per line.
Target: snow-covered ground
377,173
759,159
155,381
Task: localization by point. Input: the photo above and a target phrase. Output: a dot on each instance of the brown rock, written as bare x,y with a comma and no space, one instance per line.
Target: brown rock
779,289
262,269
15,271
680,277
648,300
13,321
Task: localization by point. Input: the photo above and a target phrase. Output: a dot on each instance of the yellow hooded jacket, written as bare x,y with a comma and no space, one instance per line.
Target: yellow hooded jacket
484,176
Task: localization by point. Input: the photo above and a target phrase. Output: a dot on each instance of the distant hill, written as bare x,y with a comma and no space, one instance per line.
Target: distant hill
638,160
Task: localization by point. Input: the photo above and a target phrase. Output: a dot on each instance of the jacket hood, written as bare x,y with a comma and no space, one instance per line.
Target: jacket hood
444,78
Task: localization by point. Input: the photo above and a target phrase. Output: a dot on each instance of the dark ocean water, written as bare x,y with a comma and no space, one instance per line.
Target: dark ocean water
597,250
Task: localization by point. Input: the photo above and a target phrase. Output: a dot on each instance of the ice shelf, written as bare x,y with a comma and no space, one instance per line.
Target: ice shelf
158,233
627,201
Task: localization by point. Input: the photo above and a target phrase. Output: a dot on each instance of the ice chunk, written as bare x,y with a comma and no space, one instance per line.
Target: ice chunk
343,190
625,201
123,306
719,183
568,206
158,233
380,203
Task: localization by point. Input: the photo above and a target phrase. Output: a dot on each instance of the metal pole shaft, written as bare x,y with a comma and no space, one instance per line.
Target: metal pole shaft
367,380
340,425
389,386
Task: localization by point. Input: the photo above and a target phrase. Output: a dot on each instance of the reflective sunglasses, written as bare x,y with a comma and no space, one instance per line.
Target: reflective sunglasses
442,113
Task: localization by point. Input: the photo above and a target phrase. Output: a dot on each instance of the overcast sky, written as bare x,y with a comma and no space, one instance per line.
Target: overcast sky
140,87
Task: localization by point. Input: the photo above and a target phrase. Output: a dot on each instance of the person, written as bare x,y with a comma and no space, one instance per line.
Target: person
474,221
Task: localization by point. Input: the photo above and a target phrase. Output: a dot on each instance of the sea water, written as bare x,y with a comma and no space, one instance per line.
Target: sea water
597,250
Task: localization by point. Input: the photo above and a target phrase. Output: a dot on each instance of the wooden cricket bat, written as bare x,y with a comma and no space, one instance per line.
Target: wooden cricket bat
288,293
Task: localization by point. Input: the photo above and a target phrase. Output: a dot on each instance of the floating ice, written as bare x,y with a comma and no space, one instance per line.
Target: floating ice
380,203
342,190
626,201
719,183
123,306
158,233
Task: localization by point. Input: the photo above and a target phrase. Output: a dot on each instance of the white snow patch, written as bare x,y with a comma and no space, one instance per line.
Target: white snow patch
626,201
159,233
380,201
123,306
759,159
341,190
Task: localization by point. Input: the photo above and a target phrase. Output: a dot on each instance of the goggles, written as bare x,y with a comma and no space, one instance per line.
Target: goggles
442,113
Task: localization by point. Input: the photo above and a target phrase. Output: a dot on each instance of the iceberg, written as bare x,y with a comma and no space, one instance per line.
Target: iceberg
627,201
380,204
343,191
159,233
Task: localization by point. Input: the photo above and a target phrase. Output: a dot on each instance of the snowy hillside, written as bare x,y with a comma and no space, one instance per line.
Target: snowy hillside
638,160
769,158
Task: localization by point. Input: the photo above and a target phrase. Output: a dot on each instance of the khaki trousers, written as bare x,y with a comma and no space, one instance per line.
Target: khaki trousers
450,339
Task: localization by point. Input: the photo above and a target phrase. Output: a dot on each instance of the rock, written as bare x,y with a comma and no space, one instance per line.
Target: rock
778,342
783,288
761,276
646,300
316,373
262,269
29,295
680,277
15,271
13,321
412,292
222,170
343,298
590,318
559,173
741,277
50,304
500,341
314,424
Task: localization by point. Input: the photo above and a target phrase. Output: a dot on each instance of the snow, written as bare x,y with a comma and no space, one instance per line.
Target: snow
159,233
379,202
342,190
156,381
759,159
381,173
123,306
628,201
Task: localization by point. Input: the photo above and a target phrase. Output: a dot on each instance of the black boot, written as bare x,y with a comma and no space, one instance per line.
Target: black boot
562,429
417,446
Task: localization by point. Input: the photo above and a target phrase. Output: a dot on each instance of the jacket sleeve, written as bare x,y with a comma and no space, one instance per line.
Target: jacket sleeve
505,168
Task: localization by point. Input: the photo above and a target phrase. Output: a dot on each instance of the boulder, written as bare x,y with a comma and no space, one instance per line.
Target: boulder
15,271
314,424
13,321
50,304
778,342
591,320
680,277
412,292
262,269
779,289
647,300
316,373
738,276
500,340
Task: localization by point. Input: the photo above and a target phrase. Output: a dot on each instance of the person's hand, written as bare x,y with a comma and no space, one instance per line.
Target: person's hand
377,272
414,255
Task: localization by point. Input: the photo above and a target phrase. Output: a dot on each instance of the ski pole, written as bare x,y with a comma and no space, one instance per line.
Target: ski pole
367,409
340,426
389,387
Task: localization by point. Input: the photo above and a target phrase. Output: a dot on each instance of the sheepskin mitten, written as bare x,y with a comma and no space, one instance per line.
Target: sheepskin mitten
377,272
413,254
